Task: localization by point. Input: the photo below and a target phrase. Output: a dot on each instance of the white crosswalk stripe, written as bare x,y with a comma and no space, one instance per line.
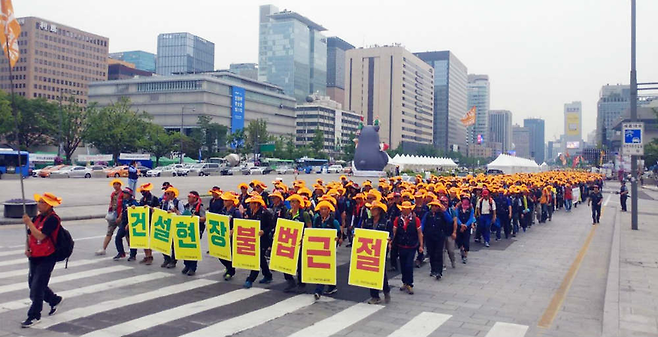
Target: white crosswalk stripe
66,277
339,321
422,325
179,312
74,263
121,302
12,252
501,329
24,303
13,262
247,321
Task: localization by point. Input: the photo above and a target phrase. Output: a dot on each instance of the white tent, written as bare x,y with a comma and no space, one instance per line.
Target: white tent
544,167
510,165
419,163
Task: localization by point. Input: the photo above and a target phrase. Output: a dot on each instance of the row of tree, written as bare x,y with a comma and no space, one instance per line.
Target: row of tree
119,128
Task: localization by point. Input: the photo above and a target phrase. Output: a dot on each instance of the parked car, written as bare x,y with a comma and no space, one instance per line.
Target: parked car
74,172
35,173
156,172
204,169
335,169
118,171
182,169
240,170
256,170
285,170
45,172
141,170
97,168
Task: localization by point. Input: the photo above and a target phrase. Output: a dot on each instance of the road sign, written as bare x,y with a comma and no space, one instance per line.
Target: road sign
633,143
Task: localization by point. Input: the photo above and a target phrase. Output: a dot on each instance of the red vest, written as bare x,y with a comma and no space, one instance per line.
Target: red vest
45,247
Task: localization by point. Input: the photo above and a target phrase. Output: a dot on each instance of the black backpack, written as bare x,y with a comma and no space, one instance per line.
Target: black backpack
63,245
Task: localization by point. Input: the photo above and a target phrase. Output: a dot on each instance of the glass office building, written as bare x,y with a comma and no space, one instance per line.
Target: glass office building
292,53
537,149
141,59
184,53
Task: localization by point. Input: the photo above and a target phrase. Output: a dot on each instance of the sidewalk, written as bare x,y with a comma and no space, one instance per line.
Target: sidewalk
632,296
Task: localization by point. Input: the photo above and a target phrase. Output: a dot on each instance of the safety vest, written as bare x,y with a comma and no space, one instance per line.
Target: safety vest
45,247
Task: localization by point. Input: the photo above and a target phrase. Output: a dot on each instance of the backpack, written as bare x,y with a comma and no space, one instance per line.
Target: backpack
63,245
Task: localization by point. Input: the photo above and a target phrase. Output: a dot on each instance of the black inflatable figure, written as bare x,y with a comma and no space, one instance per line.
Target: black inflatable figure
368,155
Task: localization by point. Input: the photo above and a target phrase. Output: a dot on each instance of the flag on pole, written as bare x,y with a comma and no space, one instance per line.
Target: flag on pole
469,119
11,29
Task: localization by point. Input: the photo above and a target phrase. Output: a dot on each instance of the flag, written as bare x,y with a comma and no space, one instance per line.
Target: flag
11,29
562,159
575,161
469,119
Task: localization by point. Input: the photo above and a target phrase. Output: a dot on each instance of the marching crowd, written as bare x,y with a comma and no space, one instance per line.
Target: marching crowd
425,219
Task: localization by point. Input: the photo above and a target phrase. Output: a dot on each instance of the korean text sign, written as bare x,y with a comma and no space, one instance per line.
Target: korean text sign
368,258
138,225
246,244
285,249
319,256
187,244
161,231
219,244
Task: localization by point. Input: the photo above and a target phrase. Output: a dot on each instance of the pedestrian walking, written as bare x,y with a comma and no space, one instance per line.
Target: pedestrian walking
623,195
133,175
113,216
325,219
297,213
595,200
486,210
171,204
230,208
379,222
465,219
194,207
128,200
433,226
149,200
42,233
259,211
408,235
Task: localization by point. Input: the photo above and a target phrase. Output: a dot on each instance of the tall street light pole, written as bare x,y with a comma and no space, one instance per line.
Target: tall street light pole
182,109
634,170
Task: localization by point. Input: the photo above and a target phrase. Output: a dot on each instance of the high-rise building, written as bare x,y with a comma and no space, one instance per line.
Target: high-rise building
521,141
573,127
121,70
248,70
613,100
500,129
450,99
336,48
142,60
292,52
180,53
338,126
55,61
392,84
537,141
478,97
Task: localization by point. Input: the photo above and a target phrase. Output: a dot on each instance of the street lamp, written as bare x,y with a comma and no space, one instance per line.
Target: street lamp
181,131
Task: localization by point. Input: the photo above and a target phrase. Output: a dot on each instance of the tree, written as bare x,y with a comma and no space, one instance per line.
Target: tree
190,146
115,128
256,134
317,143
349,148
290,147
236,140
157,141
73,127
38,121
6,116
213,135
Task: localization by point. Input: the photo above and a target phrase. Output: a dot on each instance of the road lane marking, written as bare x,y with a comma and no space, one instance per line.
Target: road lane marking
607,200
501,329
247,321
13,252
422,325
26,302
335,323
146,322
13,262
74,239
66,278
561,293
121,302
75,263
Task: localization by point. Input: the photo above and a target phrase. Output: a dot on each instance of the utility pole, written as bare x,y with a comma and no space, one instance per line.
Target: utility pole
182,109
634,170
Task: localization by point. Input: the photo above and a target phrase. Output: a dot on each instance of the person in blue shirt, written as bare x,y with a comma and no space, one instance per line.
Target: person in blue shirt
503,214
325,219
465,219
433,225
132,175
127,201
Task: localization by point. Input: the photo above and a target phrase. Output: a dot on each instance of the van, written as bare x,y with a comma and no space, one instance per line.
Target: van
205,169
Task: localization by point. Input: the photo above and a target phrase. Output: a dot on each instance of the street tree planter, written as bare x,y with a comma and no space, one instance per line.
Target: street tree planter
14,208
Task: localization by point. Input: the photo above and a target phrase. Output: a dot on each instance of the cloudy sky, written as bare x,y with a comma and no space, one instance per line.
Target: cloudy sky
539,54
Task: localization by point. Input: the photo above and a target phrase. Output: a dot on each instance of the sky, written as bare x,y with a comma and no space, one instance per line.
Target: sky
539,54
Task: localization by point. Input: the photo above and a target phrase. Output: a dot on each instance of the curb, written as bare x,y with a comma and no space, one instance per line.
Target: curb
610,324
64,218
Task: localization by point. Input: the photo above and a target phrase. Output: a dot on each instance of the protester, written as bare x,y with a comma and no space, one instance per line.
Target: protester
42,233
486,210
230,208
171,204
149,200
379,222
297,213
113,214
595,200
128,200
258,211
325,219
409,236
434,224
465,219
194,207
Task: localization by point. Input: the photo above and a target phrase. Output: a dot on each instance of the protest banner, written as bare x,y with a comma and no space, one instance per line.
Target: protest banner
319,256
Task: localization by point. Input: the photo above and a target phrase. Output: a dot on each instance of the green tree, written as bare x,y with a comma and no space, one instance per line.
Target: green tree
317,144
651,153
6,116
213,135
158,142
255,134
38,122
73,127
236,140
115,128
348,148
190,146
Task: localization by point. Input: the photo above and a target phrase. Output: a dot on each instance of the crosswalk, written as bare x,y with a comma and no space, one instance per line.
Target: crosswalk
106,298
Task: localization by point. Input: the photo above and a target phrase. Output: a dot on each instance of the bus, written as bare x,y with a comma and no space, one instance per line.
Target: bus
312,165
276,162
9,161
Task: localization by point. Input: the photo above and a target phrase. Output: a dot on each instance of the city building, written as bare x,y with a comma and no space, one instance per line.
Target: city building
500,129
121,70
336,48
248,70
478,97
338,126
536,126
180,53
392,84
292,52
55,61
521,141
450,100
573,127
230,100
479,151
613,101
142,60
